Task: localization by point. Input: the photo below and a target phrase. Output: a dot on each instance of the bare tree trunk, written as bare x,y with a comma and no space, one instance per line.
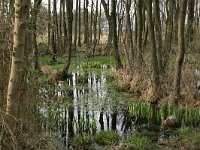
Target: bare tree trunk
190,20
95,22
91,22
197,14
17,81
54,31
69,5
136,25
145,29
158,30
28,36
120,18
64,27
76,22
129,38
79,24
57,33
181,49
95,27
49,25
169,31
115,39
139,5
145,37
176,16
154,59
86,25
99,23
36,8
60,26
108,17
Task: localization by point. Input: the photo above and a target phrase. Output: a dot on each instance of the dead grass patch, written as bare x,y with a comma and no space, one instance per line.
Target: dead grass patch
139,82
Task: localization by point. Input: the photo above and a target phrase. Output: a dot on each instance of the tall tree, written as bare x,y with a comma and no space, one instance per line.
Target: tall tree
190,20
28,36
177,11
158,32
79,24
76,26
139,6
169,32
108,17
95,23
91,21
53,33
99,17
154,59
36,9
181,49
95,26
114,34
86,24
120,20
69,5
49,25
17,80
129,34
197,14
56,25
61,13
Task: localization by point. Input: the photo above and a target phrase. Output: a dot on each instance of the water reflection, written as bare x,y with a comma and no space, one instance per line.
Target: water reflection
85,108
90,106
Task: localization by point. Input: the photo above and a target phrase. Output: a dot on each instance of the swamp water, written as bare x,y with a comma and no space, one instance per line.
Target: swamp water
86,104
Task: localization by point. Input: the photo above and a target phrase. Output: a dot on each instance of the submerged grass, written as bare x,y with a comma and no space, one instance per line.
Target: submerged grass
87,63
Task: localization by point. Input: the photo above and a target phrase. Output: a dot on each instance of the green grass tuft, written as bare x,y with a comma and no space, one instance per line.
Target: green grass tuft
139,141
82,142
106,138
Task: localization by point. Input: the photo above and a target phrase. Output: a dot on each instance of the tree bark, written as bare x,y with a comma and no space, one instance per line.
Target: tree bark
190,20
158,30
181,49
95,27
49,25
154,59
129,38
91,22
115,39
139,4
69,5
76,22
86,25
54,33
79,24
169,32
99,23
108,17
36,9
176,16
17,80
